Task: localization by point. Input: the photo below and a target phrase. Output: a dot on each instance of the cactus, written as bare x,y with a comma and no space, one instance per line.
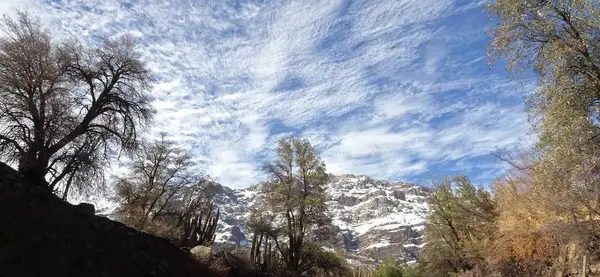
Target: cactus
196,233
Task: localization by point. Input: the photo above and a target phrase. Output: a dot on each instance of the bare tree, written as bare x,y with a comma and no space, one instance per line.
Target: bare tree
65,106
160,190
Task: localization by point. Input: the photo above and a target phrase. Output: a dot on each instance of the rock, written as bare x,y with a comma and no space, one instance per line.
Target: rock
348,200
230,220
399,195
350,241
201,253
163,265
379,193
86,208
237,234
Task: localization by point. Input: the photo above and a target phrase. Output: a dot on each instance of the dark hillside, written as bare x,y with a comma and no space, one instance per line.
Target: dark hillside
40,235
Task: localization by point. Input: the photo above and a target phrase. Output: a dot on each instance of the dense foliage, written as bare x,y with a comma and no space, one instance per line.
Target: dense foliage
545,210
460,219
392,268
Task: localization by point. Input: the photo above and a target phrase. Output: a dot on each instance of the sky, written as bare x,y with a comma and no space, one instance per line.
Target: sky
399,90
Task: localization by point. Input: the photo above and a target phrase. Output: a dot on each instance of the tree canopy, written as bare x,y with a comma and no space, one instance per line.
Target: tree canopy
65,106
460,220
160,190
295,194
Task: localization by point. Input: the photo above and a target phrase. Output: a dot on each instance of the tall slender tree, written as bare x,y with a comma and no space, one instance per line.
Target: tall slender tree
296,195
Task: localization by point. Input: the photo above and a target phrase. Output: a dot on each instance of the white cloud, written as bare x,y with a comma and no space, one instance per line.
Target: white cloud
386,88
10,7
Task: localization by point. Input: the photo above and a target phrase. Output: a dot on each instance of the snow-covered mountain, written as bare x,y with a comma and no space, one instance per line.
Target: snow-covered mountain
375,219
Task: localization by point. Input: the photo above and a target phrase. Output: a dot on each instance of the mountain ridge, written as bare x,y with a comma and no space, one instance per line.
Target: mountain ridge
374,219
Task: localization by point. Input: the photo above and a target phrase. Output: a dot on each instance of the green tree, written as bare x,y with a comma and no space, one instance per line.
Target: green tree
389,268
323,262
461,221
296,196
409,271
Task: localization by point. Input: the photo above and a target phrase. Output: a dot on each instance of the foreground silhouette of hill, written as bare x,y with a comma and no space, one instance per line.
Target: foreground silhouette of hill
40,235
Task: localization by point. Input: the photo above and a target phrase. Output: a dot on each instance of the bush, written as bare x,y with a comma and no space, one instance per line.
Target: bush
392,268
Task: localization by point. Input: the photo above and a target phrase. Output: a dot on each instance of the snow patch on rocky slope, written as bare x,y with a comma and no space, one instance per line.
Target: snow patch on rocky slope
375,219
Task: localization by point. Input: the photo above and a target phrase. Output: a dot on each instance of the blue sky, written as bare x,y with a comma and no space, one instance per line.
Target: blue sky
397,89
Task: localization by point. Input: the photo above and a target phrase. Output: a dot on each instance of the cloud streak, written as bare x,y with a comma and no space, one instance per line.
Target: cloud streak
394,89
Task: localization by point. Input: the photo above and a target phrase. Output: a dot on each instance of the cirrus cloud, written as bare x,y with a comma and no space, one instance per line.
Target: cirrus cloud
395,89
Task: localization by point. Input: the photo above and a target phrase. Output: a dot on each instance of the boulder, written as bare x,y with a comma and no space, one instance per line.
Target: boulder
201,253
86,208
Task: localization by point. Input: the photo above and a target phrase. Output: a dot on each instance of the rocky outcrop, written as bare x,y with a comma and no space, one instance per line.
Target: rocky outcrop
374,219
398,194
237,234
41,235
87,208
348,201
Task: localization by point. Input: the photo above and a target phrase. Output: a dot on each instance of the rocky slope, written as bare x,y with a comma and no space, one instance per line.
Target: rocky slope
40,235
375,219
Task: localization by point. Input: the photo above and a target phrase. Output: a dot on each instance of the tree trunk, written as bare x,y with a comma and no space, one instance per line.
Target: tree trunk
33,171
67,186
584,266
